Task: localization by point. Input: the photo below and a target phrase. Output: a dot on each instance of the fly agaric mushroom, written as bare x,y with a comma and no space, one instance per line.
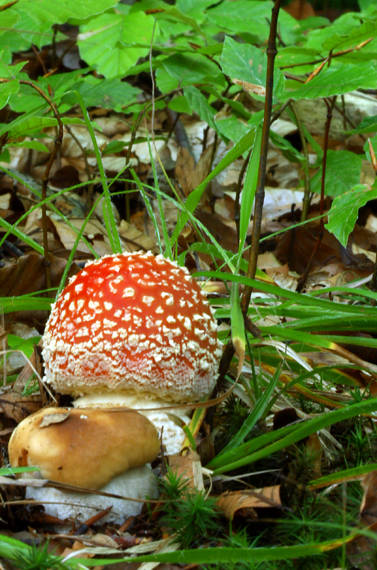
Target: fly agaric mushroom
93,449
134,330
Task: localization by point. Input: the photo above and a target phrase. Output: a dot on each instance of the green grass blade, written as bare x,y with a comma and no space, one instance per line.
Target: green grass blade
25,303
259,409
344,475
248,192
302,430
232,555
22,236
108,215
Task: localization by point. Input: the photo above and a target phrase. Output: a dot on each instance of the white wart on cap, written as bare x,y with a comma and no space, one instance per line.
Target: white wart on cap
132,322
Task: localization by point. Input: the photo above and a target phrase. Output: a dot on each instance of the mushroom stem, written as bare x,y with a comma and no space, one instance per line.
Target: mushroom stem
168,421
137,483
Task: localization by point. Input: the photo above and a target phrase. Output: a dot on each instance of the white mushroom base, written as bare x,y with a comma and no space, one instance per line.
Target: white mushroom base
168,422
138,483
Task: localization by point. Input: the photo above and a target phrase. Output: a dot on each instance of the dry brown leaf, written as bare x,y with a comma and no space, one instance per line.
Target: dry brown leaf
188,467
135,237
233,502
300,9
15,406
184,170
26,274
93,229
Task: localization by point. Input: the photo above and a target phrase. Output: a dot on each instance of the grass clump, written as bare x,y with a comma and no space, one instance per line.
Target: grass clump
190,515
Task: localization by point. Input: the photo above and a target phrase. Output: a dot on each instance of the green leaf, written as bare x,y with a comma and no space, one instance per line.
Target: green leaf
7,90
231,128
26,345
367,125
119,33
248,192
246,16
25,303
27,125
194,8
186,69
337,79
199,104
35,145
343,213
347,31
246,62
107,93
342,172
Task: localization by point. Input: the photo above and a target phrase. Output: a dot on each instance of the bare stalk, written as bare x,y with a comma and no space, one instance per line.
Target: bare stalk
46,174
330,106
259,195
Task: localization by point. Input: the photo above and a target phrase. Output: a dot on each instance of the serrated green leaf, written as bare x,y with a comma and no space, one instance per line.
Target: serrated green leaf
199,104
186,69
248,63
7,90
27,125
107,93
343,213
246,16
35,145
342,172
119,33
337,79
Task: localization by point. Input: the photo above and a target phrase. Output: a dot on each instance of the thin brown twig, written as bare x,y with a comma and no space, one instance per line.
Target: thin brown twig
259,194
46,174
330,106
306,200
333,55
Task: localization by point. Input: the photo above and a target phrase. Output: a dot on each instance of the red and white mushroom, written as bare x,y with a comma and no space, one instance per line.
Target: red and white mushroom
135,330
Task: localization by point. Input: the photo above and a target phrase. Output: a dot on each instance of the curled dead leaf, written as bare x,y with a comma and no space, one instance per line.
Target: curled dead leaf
54,418
189,467
251,87
232,502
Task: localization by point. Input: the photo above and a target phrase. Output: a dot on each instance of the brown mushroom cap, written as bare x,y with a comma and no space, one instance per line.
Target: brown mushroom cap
83,447
132,322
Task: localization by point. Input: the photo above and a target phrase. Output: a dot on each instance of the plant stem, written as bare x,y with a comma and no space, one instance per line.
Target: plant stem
259,194
330,106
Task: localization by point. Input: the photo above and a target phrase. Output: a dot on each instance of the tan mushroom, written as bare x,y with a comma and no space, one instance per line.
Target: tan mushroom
95,449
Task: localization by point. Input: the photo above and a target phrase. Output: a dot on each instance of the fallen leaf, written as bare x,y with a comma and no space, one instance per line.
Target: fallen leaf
54,419
189,467
232,502
15,406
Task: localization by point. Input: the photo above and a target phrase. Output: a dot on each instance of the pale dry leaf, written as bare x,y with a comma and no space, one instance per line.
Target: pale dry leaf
135,237
184,170
68,236
188,467
5,201
232,502
57,418
251,87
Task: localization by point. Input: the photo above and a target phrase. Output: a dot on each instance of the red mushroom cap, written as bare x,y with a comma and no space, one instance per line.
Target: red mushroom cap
132,322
